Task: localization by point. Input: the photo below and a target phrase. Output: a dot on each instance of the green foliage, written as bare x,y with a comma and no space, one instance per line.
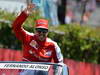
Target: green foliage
7,38
76,42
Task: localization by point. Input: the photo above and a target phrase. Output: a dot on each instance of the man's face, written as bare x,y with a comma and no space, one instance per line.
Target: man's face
41,33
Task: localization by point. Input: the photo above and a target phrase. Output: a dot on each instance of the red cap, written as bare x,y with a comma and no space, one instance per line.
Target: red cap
42,23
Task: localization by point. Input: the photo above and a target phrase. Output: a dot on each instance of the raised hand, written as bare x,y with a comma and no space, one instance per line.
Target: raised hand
29,8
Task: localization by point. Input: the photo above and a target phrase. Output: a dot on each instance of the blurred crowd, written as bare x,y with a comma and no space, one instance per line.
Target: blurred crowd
84,7
65,11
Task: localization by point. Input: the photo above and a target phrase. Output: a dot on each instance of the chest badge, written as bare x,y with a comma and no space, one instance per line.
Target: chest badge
34,44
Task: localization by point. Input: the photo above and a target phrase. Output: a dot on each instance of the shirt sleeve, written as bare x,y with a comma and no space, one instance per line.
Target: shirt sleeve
58,57
17,26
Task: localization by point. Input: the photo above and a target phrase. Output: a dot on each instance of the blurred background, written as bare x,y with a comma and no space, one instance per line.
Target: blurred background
75,22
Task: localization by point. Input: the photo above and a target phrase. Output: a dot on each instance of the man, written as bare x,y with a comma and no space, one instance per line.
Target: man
37,47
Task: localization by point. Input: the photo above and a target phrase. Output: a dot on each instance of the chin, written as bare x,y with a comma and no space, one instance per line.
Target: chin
42,39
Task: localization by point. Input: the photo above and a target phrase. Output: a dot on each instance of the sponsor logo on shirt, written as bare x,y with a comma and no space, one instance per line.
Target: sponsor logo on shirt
48,53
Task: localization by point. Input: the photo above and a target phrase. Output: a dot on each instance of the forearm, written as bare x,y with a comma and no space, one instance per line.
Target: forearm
17,24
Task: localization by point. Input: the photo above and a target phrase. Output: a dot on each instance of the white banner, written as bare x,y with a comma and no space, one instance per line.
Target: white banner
24,66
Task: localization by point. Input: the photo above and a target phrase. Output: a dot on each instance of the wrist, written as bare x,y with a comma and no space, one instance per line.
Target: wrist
26,12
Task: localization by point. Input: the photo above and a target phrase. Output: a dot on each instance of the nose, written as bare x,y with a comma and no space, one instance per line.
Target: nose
41,32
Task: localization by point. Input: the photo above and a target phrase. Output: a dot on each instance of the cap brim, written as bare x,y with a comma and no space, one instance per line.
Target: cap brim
41,27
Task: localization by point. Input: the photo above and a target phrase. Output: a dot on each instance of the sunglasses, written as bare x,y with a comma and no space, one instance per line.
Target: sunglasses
42,30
